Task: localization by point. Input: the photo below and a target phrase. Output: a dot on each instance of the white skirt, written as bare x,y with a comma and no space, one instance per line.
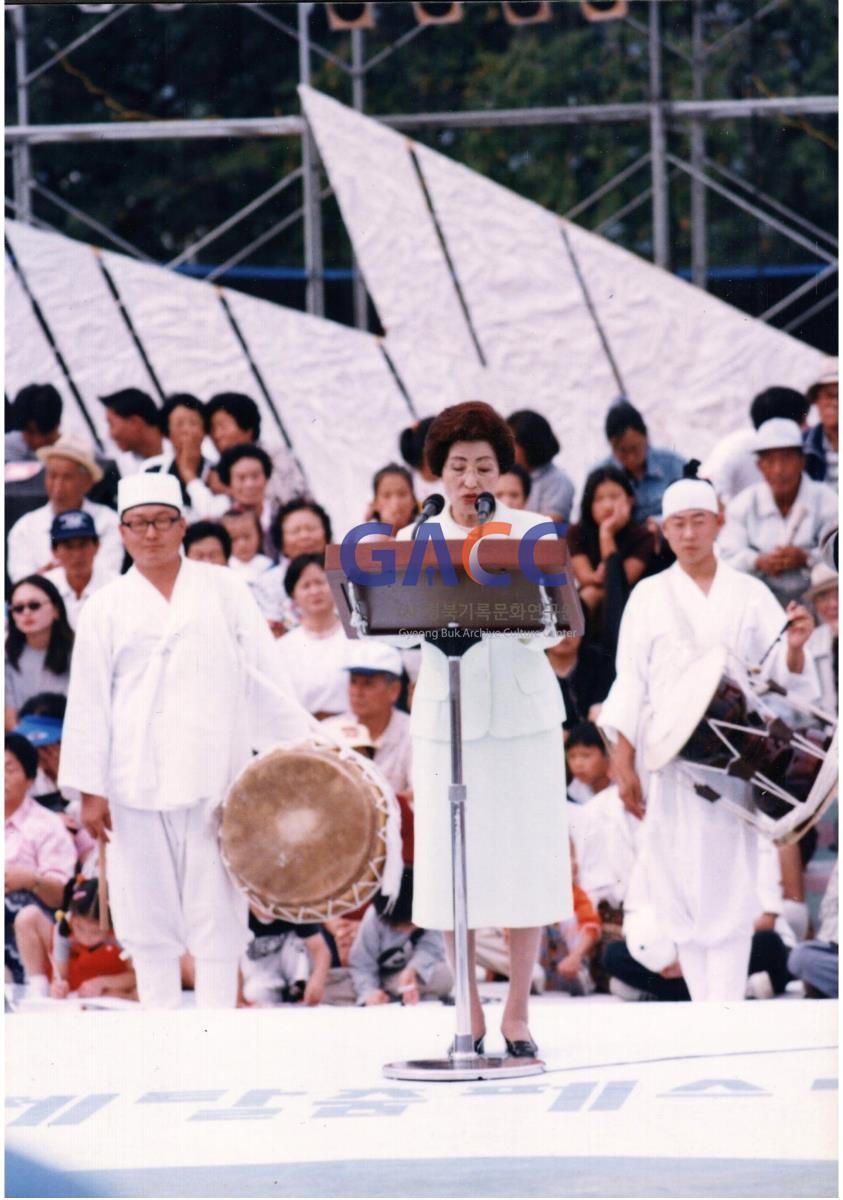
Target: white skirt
518,861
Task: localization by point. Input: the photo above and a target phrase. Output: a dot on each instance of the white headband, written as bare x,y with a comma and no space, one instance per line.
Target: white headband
688,494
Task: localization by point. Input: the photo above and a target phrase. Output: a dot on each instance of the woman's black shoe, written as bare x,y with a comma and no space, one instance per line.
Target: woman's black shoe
525,1049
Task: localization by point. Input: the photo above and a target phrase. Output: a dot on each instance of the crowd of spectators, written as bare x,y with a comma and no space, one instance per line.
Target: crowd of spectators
249,511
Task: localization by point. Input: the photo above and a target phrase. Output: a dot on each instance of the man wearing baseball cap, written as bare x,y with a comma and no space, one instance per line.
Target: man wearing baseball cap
174,683
373,687
70,471
73,536
697,862
821,439
773,528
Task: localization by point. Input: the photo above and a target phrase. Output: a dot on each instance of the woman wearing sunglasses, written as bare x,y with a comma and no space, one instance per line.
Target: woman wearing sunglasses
38,645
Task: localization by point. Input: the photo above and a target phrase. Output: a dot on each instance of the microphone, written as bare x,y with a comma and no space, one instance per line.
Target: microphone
432,506
485,505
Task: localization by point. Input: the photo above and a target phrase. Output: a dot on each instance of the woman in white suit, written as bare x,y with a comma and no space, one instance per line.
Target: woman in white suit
518,865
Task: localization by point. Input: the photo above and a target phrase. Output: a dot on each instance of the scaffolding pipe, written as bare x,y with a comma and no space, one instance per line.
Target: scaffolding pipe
21,160
699,229
658,145
313,264
358,101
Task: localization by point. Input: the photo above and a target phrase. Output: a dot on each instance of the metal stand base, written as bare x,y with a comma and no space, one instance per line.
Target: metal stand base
463,1068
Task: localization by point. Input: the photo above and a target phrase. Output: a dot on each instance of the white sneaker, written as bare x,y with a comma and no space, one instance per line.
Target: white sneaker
759,986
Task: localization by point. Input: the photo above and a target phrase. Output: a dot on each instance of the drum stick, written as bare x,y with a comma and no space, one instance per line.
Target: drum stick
103,884
775,643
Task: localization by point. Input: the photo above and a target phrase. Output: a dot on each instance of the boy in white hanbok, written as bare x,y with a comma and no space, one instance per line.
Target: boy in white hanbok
700,859
173,685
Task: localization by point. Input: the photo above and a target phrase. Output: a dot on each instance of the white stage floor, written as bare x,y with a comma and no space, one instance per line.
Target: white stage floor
637,1100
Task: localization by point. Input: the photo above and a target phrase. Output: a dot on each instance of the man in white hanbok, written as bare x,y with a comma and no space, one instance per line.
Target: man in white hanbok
173,685
698,858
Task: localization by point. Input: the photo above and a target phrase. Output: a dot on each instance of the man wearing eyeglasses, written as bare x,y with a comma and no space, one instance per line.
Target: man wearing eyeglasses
174,683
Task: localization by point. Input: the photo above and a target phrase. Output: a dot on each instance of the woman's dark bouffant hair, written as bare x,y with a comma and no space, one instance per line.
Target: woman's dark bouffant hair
297,568
60,645
295,506
235,453
474,421
535,437
588,528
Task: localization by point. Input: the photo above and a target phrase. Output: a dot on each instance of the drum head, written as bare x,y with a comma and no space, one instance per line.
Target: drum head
677,714
300,829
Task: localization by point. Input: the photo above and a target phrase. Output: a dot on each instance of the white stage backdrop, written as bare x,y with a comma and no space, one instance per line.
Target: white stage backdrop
691,363
330,386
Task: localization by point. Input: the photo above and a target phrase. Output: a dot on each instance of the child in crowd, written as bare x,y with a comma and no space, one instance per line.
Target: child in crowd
394,500
74,957
588,762
285,963
567,947
392,959
244,528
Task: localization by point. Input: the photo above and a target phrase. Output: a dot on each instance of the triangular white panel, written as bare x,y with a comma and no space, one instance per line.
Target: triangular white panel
337,398
395,243
82,315
690,362
183,328
29,357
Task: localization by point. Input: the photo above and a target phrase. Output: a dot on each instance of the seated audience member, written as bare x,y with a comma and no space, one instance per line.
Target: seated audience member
235,420
374,682
732,465
411,447
822,645
207,541
821,453
392,959
609,551
394,501
584,672
244,528
70,471
588,762
314,653
514,487
34,423
300,527
40,855
648,469
567,947
816,962
284,963
773,528
39,644
536,446
74,957
134,425
40,721
245,472
75,544
184,421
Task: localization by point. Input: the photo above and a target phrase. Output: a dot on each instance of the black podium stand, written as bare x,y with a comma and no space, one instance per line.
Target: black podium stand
453,613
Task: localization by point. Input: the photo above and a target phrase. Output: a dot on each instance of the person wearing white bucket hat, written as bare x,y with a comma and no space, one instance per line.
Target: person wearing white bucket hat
773,528
174,683
823,596
697,861
70,472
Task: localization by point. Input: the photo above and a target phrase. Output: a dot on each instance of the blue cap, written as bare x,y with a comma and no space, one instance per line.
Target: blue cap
40,731
72,524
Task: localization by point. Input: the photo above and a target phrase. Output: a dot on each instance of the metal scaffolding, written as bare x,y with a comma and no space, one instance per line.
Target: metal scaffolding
658,112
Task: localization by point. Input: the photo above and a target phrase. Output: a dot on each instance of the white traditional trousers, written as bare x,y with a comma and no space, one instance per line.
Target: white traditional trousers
717,972
170,893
